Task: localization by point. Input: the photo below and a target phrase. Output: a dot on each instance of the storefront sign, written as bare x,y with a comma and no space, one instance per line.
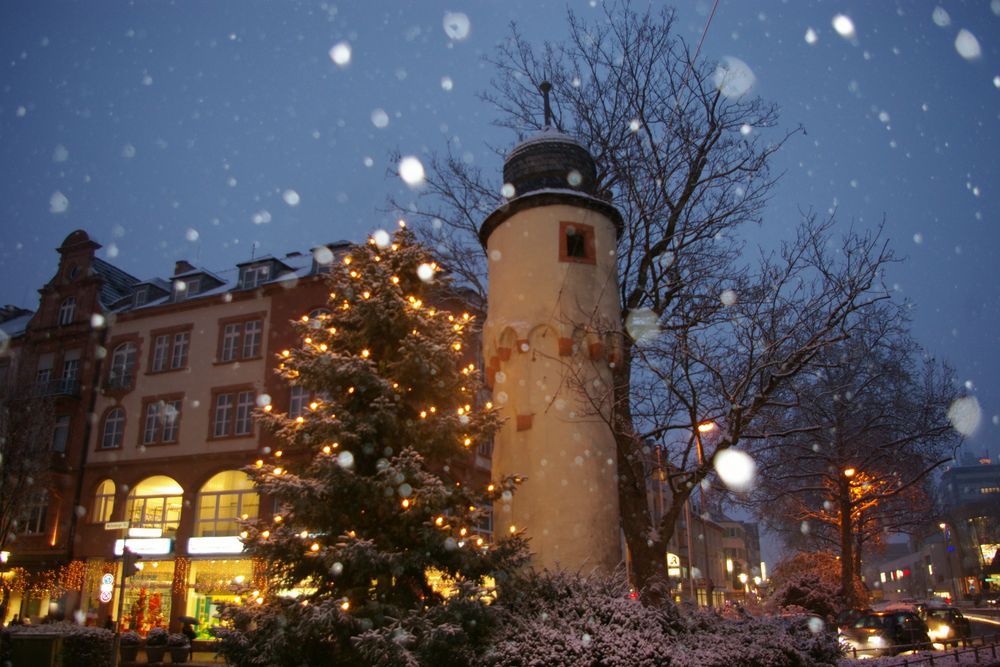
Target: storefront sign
107,587
147,546
215,545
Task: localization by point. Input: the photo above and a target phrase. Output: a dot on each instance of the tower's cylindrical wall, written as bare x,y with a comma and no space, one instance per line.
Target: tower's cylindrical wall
549,337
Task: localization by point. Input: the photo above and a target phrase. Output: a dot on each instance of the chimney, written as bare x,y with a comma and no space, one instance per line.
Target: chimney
182,266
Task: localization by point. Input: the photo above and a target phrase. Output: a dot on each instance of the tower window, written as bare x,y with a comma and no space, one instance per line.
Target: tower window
576,243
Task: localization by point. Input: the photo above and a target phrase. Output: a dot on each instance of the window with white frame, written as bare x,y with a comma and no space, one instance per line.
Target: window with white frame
255,275
37,505
241,340
298,400
170,351
122,365
233,413
104,502
71,367
156,502
114,429
60,434
67,311
161,421
222,501
43,374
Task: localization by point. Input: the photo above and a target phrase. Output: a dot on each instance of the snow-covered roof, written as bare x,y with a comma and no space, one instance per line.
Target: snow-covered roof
116,283
15,326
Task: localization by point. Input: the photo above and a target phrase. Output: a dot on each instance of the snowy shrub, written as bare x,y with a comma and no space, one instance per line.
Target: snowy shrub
81,646
562,619
807,591
811,581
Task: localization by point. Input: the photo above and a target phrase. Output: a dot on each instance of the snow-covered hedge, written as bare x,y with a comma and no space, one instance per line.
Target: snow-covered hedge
537,620
559,619
82,646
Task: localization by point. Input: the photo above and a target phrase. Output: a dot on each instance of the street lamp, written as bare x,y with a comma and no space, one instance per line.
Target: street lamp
704,427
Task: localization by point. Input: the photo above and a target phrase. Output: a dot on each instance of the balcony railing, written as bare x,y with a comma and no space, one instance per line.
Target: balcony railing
119,381
60,387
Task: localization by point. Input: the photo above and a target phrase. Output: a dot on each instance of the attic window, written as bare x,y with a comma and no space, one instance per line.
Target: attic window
576,243
255,275
141,295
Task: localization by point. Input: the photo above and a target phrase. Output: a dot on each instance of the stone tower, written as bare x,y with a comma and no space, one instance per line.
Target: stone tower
551,333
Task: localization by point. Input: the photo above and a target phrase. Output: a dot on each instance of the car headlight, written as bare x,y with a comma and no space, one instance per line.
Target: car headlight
875,640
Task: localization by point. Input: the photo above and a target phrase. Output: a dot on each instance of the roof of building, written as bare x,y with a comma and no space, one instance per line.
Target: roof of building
116,283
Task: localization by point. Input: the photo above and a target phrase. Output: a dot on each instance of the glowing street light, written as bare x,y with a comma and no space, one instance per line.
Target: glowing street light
849,472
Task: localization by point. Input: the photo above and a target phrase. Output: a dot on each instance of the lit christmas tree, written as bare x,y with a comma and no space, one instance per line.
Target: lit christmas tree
369,508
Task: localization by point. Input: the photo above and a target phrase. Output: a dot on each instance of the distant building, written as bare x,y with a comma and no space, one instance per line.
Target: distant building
971,521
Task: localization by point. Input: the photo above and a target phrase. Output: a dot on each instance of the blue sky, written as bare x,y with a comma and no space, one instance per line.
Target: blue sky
175,130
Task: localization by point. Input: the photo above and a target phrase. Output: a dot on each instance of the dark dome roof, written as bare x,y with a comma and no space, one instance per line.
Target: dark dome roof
550,160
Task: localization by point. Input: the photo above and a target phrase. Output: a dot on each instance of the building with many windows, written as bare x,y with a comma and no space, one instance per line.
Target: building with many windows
170,372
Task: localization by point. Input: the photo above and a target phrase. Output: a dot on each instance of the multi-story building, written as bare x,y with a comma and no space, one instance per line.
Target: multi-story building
971,524
49,361
171,372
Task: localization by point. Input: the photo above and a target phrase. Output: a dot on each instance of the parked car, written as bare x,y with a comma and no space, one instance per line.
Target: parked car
946,624
848,617
886,633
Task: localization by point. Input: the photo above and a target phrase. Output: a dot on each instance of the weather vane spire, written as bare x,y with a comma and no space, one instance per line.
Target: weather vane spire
545,87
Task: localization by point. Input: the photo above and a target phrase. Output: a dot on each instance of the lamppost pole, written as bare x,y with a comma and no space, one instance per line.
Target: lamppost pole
704,427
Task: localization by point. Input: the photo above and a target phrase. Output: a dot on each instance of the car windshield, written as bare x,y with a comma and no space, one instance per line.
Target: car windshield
941,614
872,621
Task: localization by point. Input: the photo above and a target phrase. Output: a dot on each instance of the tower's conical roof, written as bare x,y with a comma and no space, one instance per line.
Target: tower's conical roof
550,160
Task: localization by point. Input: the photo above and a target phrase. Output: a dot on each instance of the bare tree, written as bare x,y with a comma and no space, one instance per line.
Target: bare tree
709,335
863,431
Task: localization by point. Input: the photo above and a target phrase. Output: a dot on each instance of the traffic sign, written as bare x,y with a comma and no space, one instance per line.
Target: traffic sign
107,588
116,525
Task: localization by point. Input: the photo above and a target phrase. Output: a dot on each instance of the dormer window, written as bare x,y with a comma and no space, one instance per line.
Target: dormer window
67,310
185,288
141,295
255,275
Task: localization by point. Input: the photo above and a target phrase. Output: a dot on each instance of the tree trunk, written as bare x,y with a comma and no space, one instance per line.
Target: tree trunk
647,547
846,541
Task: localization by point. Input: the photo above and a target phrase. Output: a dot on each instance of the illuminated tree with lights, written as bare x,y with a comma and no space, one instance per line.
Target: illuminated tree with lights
850,459
369,506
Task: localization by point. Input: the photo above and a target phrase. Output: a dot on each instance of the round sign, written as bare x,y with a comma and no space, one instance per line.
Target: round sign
105,596
108,579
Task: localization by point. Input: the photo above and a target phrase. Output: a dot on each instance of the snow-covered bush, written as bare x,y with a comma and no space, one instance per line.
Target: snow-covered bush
82,646
810,581
562,619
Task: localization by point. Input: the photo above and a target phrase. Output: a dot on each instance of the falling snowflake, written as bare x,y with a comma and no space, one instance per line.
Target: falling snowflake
733,77
340,54
456,26
965,415
811,36
967,45
736,469
291,197
425,272
844,26
411,170
380,118
58,202
643,325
